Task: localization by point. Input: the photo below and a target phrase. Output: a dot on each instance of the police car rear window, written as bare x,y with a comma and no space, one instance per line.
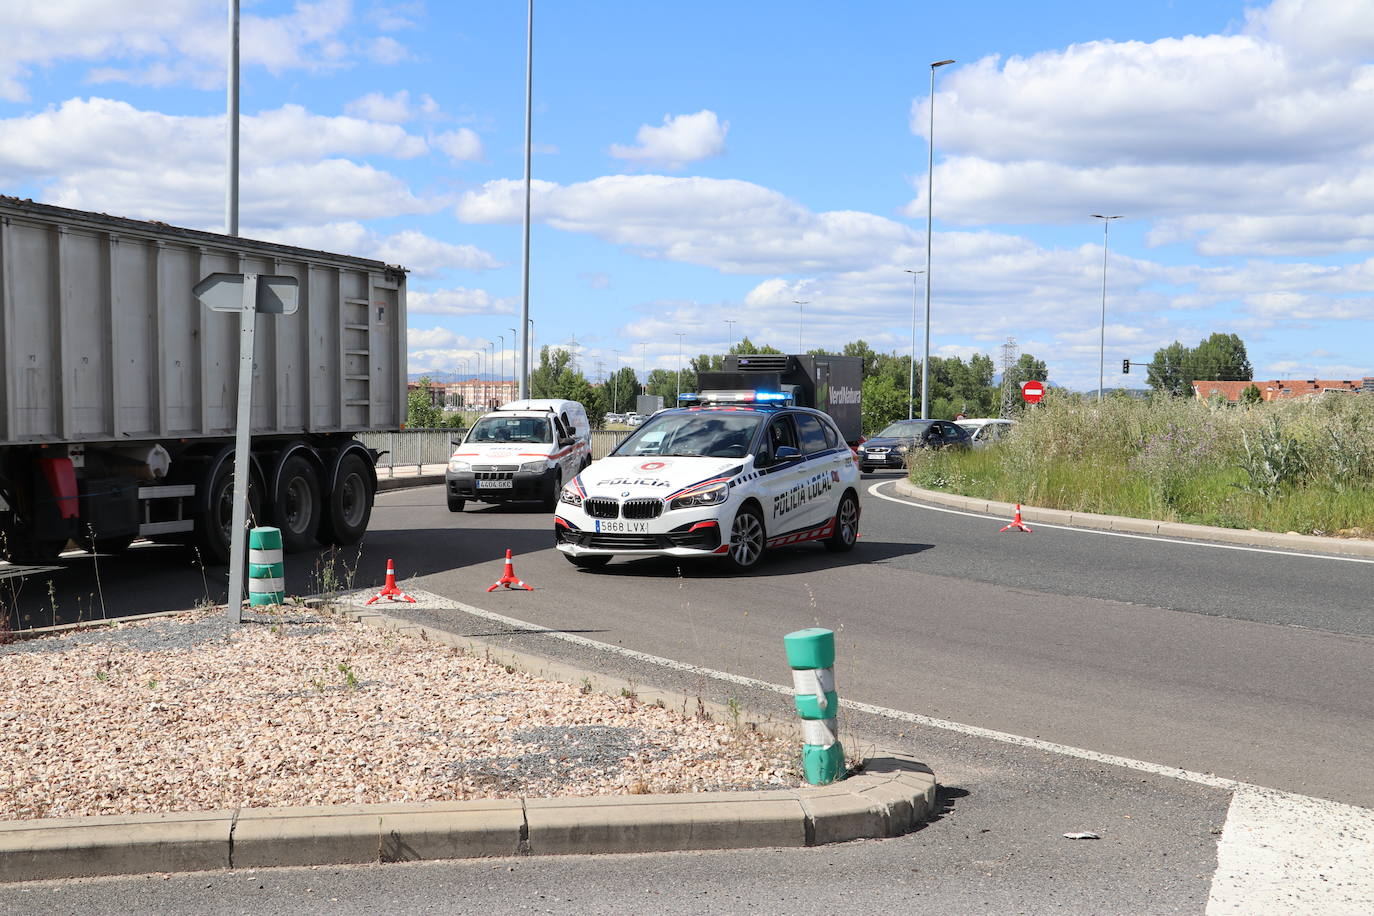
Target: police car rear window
812,434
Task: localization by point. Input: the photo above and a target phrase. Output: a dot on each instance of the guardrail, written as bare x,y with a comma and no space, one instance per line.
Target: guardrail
415,448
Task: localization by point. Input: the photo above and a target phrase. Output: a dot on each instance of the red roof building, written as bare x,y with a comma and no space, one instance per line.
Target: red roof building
1280,389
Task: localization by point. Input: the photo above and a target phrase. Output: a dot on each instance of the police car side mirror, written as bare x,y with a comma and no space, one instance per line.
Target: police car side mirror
787,453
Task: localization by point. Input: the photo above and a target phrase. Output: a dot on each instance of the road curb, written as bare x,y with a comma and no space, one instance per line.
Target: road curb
892,794
401,483
1251,537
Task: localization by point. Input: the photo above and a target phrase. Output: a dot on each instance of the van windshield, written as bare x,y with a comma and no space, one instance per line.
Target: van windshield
510,429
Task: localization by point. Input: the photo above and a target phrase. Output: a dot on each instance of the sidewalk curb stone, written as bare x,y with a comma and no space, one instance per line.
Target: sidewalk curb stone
892,795
1358,547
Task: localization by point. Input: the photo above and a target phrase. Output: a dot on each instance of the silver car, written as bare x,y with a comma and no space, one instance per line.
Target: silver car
985,431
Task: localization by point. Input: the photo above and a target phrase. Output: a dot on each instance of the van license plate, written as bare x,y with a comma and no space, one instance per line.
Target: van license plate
495,484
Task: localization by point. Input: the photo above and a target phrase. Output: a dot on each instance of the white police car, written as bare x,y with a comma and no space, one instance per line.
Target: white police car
724,482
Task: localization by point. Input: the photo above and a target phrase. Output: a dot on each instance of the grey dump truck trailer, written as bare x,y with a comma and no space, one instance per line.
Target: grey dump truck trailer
119,389
832,384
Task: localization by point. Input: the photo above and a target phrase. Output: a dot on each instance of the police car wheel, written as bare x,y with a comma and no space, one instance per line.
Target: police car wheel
746,540
593,562
846,526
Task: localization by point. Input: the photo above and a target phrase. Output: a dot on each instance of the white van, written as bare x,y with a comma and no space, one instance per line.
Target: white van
524,451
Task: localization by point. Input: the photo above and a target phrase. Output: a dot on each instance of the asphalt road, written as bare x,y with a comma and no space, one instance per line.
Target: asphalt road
1249,665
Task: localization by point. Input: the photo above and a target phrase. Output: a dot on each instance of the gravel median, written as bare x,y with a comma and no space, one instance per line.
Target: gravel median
304,707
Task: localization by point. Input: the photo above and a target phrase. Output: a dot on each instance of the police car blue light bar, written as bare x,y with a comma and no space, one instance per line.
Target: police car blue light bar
770,396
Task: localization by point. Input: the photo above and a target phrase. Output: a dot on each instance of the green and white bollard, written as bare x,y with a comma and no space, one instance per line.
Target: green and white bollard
266,570
811,655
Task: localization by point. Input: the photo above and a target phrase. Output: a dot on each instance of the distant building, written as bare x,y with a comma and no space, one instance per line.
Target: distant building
1281,389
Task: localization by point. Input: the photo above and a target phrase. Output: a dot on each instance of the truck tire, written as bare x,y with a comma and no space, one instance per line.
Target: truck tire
298,507
214,527
349,504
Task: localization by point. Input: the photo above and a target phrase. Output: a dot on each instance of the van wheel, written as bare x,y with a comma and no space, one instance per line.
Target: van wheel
456,503
551,498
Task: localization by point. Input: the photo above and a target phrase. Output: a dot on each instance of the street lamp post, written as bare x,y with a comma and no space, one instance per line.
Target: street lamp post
529,346
930,212
1102,336
730,326
911,374
801,312
501,365
514,377
643,367
525,253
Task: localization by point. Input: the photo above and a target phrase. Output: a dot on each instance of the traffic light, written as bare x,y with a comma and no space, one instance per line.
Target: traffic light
1125,367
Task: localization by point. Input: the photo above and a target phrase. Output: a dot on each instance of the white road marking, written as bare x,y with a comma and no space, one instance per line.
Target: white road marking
1284,853
1279,852
1187,542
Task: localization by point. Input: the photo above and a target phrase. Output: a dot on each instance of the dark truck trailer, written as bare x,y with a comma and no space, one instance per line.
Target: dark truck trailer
832,384
119,389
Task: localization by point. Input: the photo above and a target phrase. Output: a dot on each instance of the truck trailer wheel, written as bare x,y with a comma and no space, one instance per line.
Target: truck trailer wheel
298,507
349,503
215,527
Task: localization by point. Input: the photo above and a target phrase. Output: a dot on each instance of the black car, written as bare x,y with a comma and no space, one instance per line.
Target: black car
888,449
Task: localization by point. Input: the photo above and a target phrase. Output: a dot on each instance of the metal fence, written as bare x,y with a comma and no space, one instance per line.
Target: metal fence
415,448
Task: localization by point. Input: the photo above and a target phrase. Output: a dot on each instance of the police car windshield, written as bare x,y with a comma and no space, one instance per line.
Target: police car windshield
708,434
510,429
905,429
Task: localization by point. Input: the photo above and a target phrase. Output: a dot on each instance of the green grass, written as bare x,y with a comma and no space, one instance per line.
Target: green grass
1296,466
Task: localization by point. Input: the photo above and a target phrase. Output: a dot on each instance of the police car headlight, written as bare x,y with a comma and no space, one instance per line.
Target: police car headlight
713,495
539,465
458,466
570,496
901,449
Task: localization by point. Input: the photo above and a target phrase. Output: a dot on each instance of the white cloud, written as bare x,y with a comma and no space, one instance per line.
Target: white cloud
106,155
458,301
461,145
376,106
175,41
681,139
430,338
422,255
1260,142
733,226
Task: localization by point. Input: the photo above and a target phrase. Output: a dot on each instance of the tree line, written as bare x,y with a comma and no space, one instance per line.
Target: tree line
970,388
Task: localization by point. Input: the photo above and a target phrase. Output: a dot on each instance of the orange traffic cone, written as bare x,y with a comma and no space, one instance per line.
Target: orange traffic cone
1016,522
508,577
389,591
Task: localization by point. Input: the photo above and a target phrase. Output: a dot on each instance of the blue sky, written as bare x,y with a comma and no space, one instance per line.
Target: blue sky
698,169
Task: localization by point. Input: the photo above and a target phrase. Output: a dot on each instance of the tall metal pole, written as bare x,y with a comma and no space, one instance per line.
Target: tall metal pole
231,192
801,314
525,354
529,346
615,383
501,368
1102,337
730,325
911,370
930,211
643,367
515,381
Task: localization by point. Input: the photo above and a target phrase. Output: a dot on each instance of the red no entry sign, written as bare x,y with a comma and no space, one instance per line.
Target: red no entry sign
1032,392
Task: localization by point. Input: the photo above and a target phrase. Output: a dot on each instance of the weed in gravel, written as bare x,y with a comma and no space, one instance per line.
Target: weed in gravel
350,679
152,684
639,787
732,704
628,693
586,685
95,565
52,601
